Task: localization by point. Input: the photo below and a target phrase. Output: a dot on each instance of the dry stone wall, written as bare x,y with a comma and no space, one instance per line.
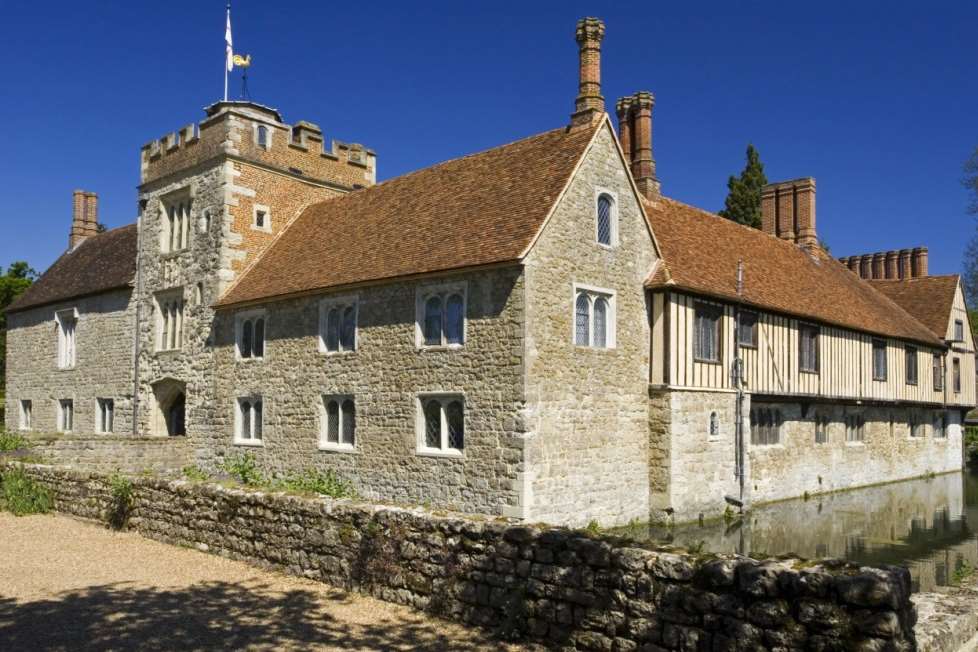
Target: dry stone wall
555,586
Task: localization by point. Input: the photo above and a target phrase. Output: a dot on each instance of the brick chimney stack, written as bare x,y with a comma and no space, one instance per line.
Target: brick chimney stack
918,262
903,264
878,260
84,217
624,110
788,211
896,264
635,134
589,104
890,264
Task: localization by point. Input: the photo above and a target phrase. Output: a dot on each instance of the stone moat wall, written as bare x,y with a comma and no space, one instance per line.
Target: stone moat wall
556,586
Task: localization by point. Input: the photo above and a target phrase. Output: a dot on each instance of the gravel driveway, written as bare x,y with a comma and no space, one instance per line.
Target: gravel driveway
70,585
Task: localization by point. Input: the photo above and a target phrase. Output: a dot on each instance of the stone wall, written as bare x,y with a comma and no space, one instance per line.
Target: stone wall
385,376
110,453
587,408
555,586
103,362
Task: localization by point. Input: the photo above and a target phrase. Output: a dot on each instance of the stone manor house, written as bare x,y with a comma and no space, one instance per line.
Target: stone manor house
533,331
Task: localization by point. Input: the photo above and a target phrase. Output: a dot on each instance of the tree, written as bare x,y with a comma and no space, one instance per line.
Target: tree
17,279
743,204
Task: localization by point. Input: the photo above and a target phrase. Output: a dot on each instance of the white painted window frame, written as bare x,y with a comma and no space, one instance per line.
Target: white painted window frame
163,300
239,438
239,321
66,406
100,413
444,398
339,445
261,208
26,413
340,302
443,290
269,133
593,293
598,191
67,349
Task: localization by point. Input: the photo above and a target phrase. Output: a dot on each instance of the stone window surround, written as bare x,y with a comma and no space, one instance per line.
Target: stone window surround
66,414
269,135
104,415
445,397
261,208
713,427
160,300
855,423
177,196
239,319
340,445
598,191
67,348
26,414
341,302
238,439
445,290
611,327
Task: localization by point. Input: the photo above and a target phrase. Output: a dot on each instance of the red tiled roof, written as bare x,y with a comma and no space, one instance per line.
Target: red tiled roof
480,209
103,262
701,251
928,298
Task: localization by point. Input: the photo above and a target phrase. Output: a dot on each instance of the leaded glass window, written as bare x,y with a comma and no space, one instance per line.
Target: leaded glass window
605,219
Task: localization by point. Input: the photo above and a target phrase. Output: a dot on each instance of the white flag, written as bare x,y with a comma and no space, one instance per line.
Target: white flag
227,39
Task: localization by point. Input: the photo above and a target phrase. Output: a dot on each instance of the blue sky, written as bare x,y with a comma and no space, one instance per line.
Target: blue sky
876,100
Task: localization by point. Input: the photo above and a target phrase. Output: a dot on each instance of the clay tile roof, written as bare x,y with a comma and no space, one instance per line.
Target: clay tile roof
480,209
103,262
928,298
702,251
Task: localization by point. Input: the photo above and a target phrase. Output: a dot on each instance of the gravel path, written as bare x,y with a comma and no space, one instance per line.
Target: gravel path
70,585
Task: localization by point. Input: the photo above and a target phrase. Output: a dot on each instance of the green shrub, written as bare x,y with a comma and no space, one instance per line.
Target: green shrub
971,444
11,441
22,495
313,481
195,473
244,469
122,501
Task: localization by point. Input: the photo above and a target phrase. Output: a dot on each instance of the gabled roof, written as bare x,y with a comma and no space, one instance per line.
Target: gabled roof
103,262
928,298
701,252
476,210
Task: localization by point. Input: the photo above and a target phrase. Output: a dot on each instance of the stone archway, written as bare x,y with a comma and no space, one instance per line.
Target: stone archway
170,409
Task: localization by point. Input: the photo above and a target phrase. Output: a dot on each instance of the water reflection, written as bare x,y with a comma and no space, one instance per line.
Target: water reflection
922,524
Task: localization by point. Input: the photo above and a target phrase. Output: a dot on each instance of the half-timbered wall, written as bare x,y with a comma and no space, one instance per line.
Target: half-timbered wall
963,351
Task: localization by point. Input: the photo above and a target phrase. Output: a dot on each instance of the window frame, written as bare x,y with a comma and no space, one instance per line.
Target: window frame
250,317
803,328
162,302
269,131
708,307
821,422
765,424
444,291
958,330
754,336
67,346
444,399
66,407
339,445
267,213
939,425
956,374
26,409
176,199
100,413
339,303
238,438
613,218
593,293
713,426
880,345
855,428
911,360
937,369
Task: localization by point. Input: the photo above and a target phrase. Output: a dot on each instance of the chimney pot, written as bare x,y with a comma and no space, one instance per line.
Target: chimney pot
866,266
890,265
84,217
877,265
903,264
589,103
918,262
624,110
643,164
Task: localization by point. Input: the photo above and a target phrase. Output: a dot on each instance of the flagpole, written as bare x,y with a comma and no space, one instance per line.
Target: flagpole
227,37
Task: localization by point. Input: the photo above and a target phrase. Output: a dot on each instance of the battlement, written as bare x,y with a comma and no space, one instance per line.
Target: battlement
251,132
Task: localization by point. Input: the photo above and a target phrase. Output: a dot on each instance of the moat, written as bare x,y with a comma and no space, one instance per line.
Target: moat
929,525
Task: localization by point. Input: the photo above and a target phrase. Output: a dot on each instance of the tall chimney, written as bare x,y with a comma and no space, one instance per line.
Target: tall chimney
918,262
805,234
624,110
643,164
589,103
84,217
878,259
785,213
903,264
890,264
769,209
866,266
788,211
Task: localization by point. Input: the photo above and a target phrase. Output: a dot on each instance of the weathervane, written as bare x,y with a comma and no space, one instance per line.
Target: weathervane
232,60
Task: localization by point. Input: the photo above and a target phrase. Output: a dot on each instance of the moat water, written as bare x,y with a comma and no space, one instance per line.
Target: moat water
929,525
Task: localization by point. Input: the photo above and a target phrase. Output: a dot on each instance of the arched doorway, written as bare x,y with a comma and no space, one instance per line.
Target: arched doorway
169,419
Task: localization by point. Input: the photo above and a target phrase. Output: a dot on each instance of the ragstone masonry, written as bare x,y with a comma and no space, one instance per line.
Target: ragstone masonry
555,586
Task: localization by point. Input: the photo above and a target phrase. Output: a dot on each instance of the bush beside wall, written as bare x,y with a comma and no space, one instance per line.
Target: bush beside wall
556,586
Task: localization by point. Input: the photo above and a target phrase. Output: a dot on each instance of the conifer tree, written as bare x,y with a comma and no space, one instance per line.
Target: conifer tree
743,203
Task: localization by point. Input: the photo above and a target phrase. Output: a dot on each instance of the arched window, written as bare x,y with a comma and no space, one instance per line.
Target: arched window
432,424
247,333
258,348
349,422
454,319
601,322
262,136
714,425
582,320
349,329
606,218
246,419
432,321
333,330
